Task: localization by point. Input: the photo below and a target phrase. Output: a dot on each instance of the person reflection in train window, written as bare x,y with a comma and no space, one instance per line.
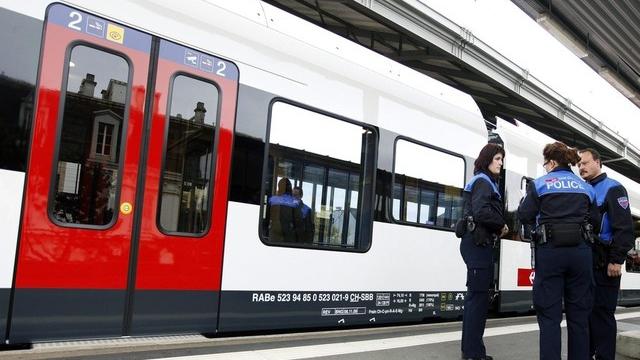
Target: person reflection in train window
285,215
483,222
564,210
308,216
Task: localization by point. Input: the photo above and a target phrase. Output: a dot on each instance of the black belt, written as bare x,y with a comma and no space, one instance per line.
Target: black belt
561,235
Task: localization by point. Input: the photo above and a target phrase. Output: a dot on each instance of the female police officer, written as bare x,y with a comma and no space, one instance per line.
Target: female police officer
484,222
561,206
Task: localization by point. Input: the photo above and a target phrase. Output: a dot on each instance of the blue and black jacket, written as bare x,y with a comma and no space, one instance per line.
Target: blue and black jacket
559,197
483,201
617,225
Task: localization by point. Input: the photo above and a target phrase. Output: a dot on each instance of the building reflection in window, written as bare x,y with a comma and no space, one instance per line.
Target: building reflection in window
88,157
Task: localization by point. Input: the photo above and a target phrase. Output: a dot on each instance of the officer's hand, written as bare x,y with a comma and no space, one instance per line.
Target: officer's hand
614,270
504,231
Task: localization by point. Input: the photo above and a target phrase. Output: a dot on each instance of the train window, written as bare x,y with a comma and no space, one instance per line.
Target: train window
427,185
314,184
186,185
88,158
633,256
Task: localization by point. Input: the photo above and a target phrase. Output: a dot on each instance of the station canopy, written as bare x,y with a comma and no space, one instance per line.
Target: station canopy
417,36
604,34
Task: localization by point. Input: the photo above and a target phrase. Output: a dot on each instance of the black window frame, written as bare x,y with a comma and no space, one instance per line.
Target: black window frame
59,125
432,188
165,141
368,171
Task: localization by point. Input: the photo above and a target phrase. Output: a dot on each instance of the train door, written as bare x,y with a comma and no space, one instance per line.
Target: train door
91,261
185,195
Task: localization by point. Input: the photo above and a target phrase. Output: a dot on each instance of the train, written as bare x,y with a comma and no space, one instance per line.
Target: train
141,143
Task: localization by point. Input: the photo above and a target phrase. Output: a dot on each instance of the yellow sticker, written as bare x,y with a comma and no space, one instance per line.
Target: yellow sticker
126,208
115,33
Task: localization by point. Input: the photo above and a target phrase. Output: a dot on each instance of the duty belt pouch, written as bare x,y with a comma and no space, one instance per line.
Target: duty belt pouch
465,225
480,236
461,227
563,235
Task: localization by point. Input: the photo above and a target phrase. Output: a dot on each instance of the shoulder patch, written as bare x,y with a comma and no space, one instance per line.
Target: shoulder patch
623,202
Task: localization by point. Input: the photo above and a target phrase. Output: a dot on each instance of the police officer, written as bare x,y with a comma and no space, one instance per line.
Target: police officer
563,209
483,222
308,216
616,239
285,215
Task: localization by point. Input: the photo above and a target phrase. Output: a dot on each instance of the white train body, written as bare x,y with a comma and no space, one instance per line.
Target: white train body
125,214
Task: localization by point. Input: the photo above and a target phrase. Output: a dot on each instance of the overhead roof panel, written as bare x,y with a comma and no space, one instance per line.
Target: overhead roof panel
606,32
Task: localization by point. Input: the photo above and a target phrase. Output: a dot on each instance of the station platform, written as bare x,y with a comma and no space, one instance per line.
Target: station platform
628,344
505,338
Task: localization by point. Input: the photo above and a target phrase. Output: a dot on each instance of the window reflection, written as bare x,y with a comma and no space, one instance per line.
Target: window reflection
397,196
313,187
411,203
188,167
427,208
321,158
428,186
335,208
633,256
88,157
420,162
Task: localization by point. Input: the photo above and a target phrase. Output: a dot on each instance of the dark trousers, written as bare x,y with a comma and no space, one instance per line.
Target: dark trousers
476,306
602,323
563,273
479,261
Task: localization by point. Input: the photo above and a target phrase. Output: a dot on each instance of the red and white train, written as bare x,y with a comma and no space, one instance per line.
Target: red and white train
140,141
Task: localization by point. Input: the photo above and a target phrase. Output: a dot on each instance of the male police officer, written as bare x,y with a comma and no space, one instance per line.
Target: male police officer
616,239
559,205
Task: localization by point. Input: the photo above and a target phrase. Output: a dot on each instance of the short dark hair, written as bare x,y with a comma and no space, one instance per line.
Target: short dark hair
594,154
561,153
299,189
486,157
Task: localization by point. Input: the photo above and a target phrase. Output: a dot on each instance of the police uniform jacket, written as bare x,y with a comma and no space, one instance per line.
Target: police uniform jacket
559,197
482,200
617,224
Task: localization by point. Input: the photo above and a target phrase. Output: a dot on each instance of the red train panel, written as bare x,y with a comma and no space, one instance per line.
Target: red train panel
175,262
52,256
